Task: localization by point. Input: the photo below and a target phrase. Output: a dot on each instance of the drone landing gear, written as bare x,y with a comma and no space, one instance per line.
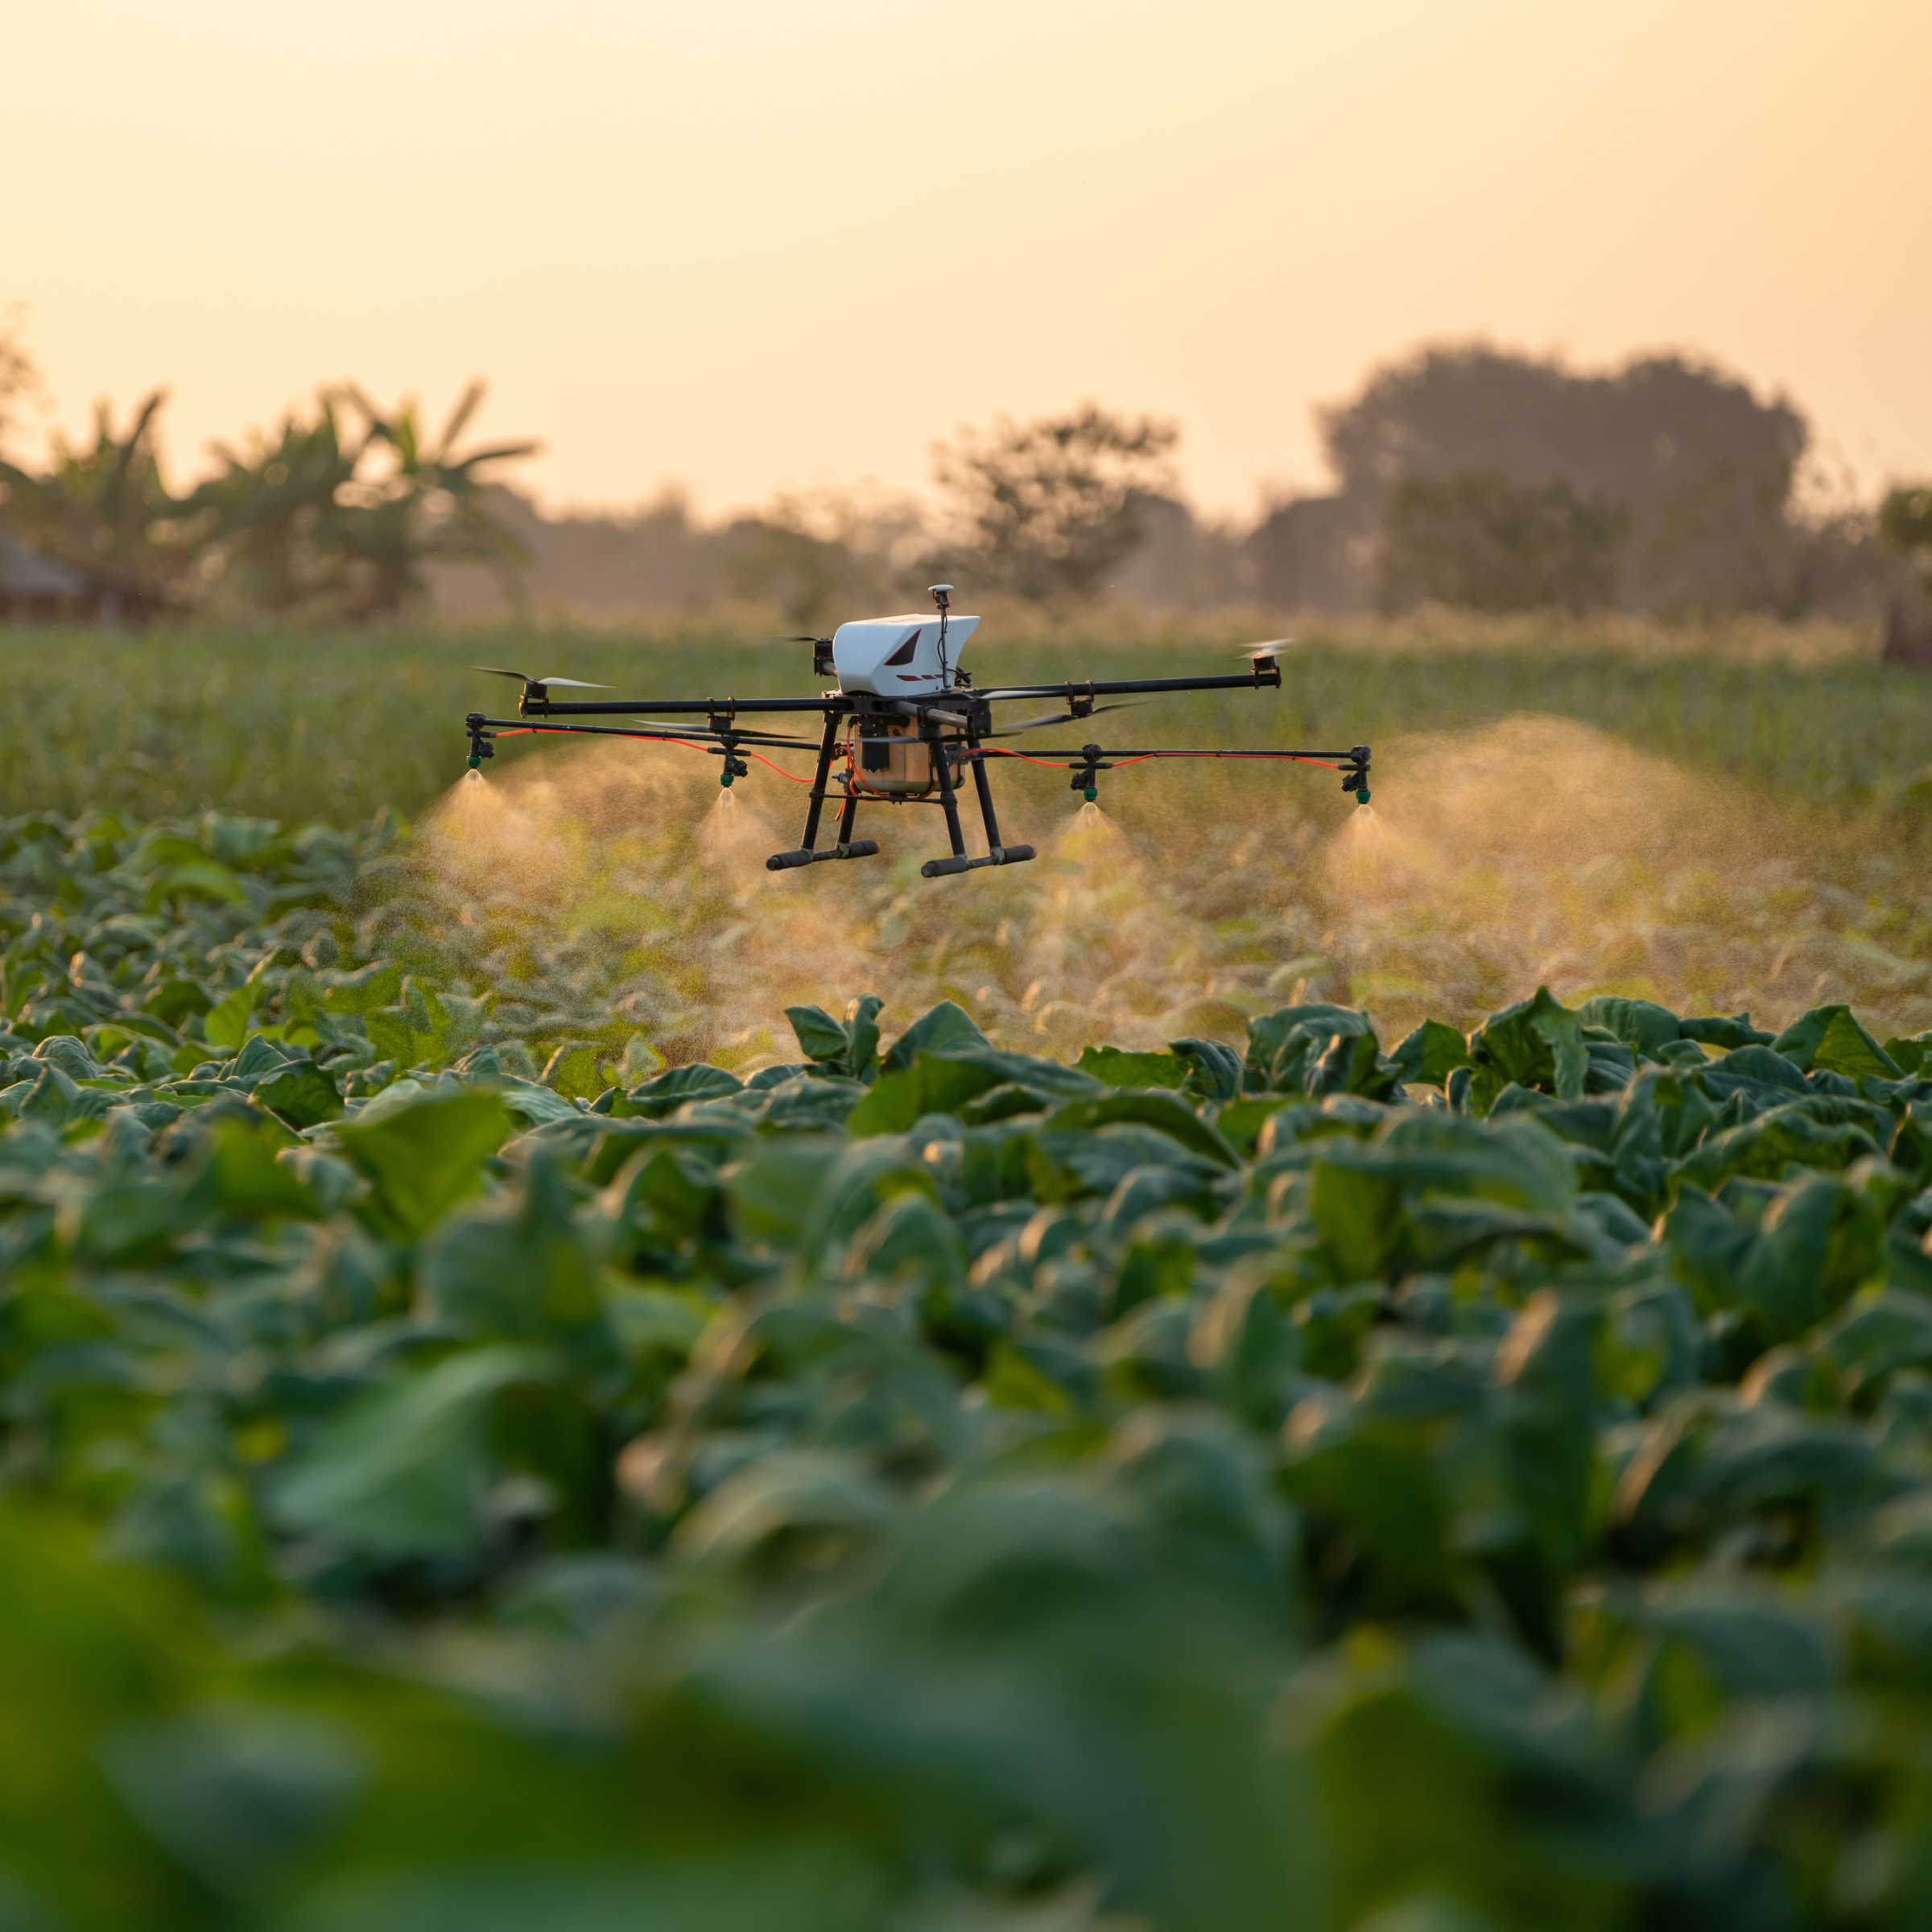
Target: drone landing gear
996,853
847,846
858,848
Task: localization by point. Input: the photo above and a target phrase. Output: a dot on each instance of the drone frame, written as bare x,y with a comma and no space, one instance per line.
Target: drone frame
952,724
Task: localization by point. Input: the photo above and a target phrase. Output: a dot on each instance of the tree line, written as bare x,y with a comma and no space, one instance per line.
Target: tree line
1466,476
341,507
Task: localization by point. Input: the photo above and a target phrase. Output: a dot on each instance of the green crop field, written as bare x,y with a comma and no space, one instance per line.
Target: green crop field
1714,820
337,725
1279,1367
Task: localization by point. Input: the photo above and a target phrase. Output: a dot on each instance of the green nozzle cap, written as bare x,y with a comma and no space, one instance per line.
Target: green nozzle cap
475,764
1361,798
726,779
1091,795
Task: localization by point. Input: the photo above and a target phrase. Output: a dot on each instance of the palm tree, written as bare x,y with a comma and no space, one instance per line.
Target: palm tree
432,504
274,515
106,508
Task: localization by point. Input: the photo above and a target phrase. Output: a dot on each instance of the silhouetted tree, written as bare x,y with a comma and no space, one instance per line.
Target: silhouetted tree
1904,529
1045,509
815,552
1479,541
424,503
340,513
1905,525
273,516
1703,467
19,376
105,505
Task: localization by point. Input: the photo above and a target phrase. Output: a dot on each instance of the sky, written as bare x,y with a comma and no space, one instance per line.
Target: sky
755,244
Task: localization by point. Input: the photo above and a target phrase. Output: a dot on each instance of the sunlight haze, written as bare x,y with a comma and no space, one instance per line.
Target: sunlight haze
750,244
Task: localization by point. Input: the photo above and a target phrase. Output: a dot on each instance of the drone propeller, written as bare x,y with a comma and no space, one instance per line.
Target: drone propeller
496,671
1064,717
1268,649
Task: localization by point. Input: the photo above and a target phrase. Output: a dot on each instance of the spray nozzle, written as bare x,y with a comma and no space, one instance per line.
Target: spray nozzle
480,746
1355,773
1088,772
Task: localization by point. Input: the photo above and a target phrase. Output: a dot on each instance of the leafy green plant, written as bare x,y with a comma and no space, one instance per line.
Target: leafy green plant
1478,1477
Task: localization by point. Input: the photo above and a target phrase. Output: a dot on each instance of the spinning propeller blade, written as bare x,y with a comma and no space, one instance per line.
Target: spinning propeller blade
1064,717
1268,649
497,671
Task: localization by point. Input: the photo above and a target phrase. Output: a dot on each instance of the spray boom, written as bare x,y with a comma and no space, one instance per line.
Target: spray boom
906,726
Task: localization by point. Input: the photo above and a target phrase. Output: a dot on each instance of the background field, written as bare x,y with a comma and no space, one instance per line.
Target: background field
1715,817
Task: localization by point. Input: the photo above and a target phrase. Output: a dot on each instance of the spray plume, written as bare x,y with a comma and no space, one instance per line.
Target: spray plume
602,890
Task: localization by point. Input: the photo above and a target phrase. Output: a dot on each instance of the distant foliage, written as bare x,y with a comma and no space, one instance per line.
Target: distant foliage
1701,470
1045,509
821,554
338,513
19,375
1905,524
331,516
1482,543
104,505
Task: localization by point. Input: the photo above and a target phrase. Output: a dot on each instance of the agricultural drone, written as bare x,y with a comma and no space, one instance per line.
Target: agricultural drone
907,723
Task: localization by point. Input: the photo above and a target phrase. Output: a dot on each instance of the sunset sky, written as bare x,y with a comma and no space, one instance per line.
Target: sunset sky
745,244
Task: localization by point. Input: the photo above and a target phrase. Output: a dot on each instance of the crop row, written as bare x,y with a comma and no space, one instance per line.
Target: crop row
1479,1478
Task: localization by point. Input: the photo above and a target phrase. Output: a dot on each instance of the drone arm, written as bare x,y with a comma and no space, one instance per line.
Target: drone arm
679,707
681,734
1266,673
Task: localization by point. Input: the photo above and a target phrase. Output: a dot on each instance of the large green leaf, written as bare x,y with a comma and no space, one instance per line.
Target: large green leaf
1817,1243
1113,1068
425,1157
1830,1037
1536,1042
524,1269
405,1471
946,1028
1429,1055
301,1093
238,1793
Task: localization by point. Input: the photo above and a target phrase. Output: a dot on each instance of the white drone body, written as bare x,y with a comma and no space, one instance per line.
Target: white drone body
899,657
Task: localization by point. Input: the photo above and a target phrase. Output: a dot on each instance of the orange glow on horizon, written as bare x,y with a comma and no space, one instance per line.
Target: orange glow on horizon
752,244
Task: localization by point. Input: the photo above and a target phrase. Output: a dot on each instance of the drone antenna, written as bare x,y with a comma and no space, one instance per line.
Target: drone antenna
942,594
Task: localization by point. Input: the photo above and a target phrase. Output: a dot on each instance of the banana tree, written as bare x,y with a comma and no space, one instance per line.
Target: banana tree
276,515
427,502
106,507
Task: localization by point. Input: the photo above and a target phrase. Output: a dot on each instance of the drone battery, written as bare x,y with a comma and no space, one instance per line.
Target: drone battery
893,761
